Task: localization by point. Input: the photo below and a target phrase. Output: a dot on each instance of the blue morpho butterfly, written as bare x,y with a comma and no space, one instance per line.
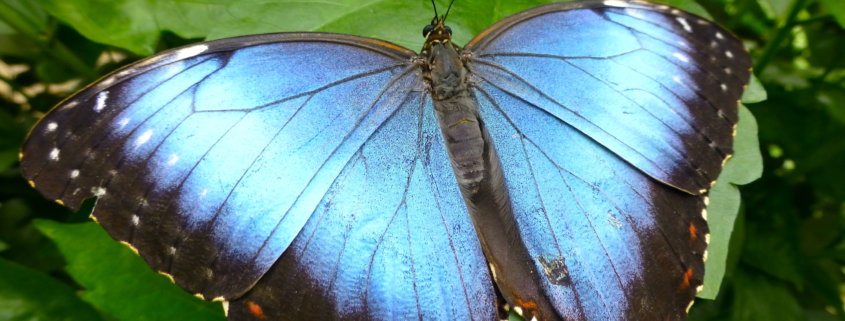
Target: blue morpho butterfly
559,161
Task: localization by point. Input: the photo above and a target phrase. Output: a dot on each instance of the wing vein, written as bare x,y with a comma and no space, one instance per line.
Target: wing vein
540,108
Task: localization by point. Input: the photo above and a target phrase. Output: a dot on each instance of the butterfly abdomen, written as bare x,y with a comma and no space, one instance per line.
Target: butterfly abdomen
478,172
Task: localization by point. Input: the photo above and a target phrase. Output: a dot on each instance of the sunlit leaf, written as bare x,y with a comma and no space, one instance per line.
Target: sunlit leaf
117,281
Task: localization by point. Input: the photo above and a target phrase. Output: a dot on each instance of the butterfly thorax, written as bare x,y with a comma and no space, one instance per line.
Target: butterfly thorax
456,110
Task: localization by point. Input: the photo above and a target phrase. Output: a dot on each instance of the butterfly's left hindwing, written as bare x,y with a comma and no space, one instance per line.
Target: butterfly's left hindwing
391,240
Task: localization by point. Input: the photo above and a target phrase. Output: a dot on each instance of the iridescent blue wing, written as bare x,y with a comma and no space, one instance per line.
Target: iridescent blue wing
210,159
611,120
384,246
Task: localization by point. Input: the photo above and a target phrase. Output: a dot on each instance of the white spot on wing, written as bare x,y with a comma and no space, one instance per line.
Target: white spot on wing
74,173
720,36
729,54
106,82
634,13
125,72
677,79
614,3
123,122
724,87
171,250
684,24
135,220
101,101
681,57
190,51
69,105
98,191
52,126
145,137
172,160
615,222
54,154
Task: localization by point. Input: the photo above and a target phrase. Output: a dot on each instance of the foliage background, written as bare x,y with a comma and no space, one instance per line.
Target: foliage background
786,248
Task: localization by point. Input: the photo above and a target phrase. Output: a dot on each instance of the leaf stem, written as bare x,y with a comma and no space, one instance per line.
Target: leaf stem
814,19
780,35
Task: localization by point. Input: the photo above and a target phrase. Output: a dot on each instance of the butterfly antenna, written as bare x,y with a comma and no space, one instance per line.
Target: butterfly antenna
447,10
435,9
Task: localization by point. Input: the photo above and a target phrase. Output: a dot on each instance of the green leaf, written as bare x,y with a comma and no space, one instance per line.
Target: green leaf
21,23
775,9
135,24
833,99
837,9
122,285
755,92
744,167
29,295
757,297
24,17
27,246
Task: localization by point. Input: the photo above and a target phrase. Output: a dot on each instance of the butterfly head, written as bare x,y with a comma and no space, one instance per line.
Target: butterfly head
437,31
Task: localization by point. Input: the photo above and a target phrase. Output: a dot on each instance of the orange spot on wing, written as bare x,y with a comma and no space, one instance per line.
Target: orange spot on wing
692,232
687,278
256,310
526,304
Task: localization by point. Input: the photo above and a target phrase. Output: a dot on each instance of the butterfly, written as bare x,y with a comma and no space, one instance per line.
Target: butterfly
557,165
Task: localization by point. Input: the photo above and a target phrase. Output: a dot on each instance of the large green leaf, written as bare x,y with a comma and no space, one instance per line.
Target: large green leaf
118,282
29,295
